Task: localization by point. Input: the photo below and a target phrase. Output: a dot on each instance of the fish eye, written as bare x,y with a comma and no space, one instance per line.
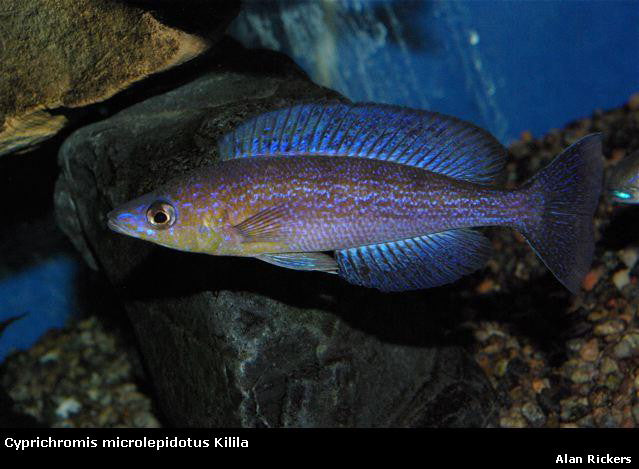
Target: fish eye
160,215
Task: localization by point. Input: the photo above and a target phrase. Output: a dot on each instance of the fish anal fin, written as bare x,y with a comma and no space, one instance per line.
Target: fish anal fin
416,263
302,261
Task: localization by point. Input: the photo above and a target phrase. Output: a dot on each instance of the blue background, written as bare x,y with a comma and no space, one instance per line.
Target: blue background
507,66
44,293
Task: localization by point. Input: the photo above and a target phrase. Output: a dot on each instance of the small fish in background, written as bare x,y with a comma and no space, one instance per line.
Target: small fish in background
623,181
394,193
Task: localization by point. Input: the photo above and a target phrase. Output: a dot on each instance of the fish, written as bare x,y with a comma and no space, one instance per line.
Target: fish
623,181
386,197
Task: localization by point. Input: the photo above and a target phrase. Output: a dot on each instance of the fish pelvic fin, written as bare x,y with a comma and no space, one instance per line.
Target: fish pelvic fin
412,264
428,140
566,194
302,261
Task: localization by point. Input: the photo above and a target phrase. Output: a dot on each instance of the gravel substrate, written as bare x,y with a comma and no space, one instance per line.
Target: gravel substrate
78,377
571,361
557,360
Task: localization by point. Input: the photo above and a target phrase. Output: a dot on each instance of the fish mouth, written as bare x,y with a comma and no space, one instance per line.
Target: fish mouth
113,225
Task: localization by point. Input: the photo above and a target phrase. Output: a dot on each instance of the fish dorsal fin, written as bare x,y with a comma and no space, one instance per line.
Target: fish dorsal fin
432,141
412,264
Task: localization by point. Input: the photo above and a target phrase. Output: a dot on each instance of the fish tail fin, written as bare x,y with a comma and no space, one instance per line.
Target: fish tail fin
566,193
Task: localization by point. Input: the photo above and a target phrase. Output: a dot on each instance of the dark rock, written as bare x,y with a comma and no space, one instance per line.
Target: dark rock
533,414
237,342
515,370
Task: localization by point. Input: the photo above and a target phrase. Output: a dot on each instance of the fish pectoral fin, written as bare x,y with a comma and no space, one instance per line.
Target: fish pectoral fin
412,264
265,225
302,261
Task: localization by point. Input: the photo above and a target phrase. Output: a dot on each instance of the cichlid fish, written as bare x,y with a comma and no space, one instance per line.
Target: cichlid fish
393,193
623,182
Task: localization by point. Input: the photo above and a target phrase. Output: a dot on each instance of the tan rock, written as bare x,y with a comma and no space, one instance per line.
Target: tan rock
70,53
621,278
590,350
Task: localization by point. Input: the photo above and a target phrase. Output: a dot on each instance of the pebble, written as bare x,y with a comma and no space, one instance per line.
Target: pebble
584,373
516,421
569,425
612,381
586,422
486,286
67,407
598,315
533,414
612,326
50,356
522,272
609,419
621,278
573,408
628,346
599,397
629,257
608,365
590,350
592,278
501,367
539,385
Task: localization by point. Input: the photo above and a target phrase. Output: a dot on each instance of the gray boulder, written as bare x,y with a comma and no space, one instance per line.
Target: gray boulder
237,342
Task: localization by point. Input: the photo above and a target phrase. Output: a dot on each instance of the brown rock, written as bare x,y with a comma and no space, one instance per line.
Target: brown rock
70,53
612,326
592,278
539,385
608,365
590,350
486,286
513,421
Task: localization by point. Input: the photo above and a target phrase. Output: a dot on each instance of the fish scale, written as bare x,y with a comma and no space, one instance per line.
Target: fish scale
383,201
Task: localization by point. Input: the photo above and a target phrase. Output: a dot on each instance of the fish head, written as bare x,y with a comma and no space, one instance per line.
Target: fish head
623,182
166,218
625,195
